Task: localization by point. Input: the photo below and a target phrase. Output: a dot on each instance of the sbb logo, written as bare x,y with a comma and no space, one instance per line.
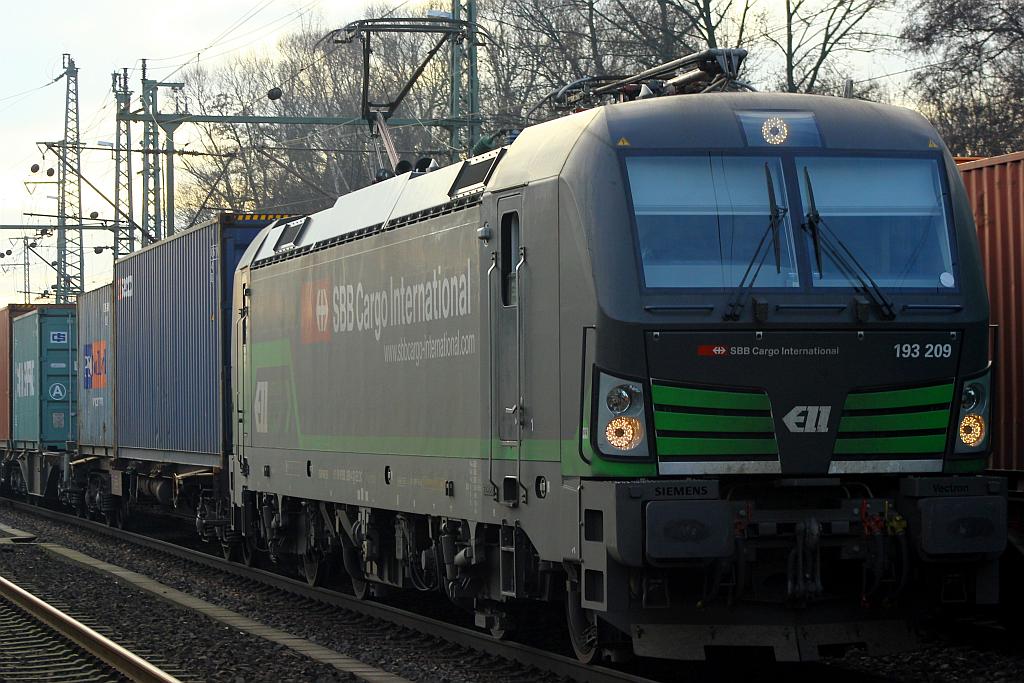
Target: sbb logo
717,350
125,287
322,310
315,312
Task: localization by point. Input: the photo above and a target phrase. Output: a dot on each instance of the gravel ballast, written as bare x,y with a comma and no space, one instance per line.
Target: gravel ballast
187,644
422,658
397,650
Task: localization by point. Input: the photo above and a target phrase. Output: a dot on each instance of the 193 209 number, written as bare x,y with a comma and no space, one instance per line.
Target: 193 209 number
929,350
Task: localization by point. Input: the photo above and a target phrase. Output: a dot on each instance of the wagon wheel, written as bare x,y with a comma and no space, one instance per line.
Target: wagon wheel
114,512
121,516
114,518
16,484
360,588
502,629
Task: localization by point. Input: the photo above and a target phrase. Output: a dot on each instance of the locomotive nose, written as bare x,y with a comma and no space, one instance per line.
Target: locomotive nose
801,403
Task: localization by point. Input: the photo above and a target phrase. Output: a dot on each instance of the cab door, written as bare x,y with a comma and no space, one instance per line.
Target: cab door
506,290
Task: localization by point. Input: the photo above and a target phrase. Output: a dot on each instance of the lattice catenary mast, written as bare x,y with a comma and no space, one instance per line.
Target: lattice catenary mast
70,249
124,226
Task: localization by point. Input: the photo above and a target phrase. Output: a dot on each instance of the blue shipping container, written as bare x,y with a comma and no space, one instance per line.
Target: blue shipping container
95,371
172,305
44,362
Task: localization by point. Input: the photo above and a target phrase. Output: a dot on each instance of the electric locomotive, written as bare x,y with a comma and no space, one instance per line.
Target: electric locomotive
712,370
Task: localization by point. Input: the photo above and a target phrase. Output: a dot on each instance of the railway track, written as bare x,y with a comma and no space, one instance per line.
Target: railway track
523,655
40,642
464,646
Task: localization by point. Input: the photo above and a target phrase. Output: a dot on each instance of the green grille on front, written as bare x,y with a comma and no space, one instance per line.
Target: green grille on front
899,421
693,423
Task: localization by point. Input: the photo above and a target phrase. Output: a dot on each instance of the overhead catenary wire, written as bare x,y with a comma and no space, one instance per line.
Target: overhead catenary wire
30,90
901,72
275,25
238,23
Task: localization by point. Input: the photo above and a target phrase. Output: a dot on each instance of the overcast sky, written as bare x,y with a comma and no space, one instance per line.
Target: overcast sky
104,36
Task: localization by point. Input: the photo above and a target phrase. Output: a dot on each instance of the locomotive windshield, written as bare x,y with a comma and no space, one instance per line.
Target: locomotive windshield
700,218
890,213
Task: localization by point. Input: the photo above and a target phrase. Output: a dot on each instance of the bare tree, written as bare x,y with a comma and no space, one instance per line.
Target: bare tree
973,83
303,168
817,33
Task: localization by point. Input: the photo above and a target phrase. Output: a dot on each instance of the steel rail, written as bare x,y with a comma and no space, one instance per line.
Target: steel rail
560,665
96,644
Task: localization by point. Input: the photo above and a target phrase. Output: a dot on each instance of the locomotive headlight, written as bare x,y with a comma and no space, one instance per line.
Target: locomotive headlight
624,433
972,430
972,395
619,399
620,420
975,410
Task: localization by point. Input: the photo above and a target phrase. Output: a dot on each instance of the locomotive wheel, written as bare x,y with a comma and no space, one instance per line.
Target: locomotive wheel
316,568
583,631
501,632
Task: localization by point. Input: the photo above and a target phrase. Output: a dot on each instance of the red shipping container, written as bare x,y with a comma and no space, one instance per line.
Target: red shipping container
995,188
7,316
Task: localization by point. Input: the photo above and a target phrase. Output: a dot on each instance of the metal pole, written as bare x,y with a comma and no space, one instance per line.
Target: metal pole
26,282
153,144
70,249
124,237
474,79
152,217
169,129
118,163
147,159
465,82
169,222
455,72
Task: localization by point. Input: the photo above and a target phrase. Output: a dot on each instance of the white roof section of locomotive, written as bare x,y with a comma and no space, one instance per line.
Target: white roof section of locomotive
540,151
369,206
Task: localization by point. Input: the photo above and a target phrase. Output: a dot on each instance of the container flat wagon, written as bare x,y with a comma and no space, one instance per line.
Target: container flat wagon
44,400
155,423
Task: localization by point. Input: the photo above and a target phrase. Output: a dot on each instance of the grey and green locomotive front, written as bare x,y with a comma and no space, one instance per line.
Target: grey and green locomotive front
711,369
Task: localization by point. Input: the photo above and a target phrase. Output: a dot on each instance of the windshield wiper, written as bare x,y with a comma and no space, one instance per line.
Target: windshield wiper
776,214
825,238
813,222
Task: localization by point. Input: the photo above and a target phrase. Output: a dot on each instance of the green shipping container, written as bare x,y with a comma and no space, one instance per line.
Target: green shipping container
44,379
